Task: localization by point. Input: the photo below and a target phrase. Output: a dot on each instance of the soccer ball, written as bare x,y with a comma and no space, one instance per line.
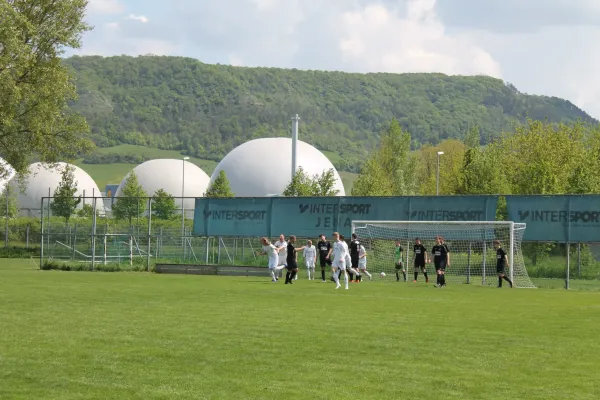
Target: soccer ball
383,274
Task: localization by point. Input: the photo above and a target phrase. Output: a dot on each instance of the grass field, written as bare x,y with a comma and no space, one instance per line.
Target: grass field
69,335
104,174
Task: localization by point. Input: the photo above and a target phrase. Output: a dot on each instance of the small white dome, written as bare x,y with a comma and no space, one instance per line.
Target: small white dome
6,174
168,174
263,167
43,180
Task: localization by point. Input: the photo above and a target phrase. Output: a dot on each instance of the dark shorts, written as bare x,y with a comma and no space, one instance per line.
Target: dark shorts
354,262
325,263
500,269
399,265
291,266
440,265
420,264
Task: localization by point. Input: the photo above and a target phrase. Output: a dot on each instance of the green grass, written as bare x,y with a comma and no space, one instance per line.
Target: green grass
104,174
82,335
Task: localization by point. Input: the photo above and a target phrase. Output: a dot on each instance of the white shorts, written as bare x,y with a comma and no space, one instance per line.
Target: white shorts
340,265
362,264
348,261
310,264
273,263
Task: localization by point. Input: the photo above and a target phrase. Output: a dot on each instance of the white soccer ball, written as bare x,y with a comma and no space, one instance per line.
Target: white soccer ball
383,274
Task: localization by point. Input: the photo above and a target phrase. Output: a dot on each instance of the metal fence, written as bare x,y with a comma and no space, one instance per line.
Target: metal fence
101,240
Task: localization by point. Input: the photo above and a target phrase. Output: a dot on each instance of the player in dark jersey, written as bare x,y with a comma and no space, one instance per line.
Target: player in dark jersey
292,260
354,249
324,249
441,260
501,264
398,252
420,259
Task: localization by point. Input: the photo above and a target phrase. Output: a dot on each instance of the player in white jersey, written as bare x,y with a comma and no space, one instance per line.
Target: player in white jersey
310,258
362,261
339,260
349,269
281,246
271,251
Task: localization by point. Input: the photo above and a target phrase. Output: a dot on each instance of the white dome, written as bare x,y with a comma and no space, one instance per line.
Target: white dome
6,174
43,180
167,174
263,167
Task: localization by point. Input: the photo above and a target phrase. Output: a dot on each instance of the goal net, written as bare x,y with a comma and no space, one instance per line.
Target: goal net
472,254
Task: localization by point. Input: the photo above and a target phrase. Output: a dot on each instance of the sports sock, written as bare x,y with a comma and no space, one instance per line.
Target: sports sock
287,277
398,276
351,275
439,279
322,274
368,274
507,280
346,279
404,275
416,275
443,279
272,274
336,278
499,281
425,275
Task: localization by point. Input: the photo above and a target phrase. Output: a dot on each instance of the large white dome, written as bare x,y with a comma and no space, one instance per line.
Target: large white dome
6,174
43,179
263,167
167,174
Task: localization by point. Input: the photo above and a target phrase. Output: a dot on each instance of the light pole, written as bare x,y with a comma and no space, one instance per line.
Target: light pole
437,177
182,200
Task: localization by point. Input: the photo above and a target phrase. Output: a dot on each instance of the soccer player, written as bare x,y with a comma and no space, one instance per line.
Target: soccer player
271,251
354,258
339,260
441,260
310,258
281,246
292,260
324,248
398,261
362,262
348,261
501,264
420,259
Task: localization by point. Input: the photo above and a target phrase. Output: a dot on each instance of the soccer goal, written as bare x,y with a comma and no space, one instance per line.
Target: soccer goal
472,254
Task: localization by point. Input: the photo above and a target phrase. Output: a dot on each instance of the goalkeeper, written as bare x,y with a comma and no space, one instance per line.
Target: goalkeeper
398,261
501,264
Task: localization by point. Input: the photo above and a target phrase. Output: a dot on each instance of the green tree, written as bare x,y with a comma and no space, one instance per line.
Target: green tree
65,201
220,187
86,211
391,168
8,194
319,185
163,205
36,87
132,201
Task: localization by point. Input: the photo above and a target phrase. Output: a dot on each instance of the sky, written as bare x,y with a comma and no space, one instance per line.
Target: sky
545,47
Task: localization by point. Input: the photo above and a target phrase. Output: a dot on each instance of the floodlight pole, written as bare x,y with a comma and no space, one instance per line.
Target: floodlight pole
295,121
437,177
183,205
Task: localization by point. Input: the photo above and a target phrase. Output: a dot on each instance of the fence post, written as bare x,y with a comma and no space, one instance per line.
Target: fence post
568,266
6,190
579,259
27,237
149,234
207,249
42,236
219,251
483,266
93,233
131,250
469,265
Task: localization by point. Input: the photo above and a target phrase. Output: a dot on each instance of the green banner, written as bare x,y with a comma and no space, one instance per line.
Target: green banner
310,216
557,218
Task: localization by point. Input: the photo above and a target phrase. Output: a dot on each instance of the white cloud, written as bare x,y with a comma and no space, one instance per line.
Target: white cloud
105,7
140,18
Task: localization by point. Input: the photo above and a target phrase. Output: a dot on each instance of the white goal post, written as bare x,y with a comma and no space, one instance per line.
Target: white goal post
472,254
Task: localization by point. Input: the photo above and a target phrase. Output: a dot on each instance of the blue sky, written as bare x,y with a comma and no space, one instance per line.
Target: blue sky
541,46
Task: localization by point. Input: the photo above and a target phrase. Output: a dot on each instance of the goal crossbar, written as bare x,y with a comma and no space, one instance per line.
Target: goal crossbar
473,236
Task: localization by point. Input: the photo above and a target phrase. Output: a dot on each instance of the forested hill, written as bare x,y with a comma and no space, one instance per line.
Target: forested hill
206,110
